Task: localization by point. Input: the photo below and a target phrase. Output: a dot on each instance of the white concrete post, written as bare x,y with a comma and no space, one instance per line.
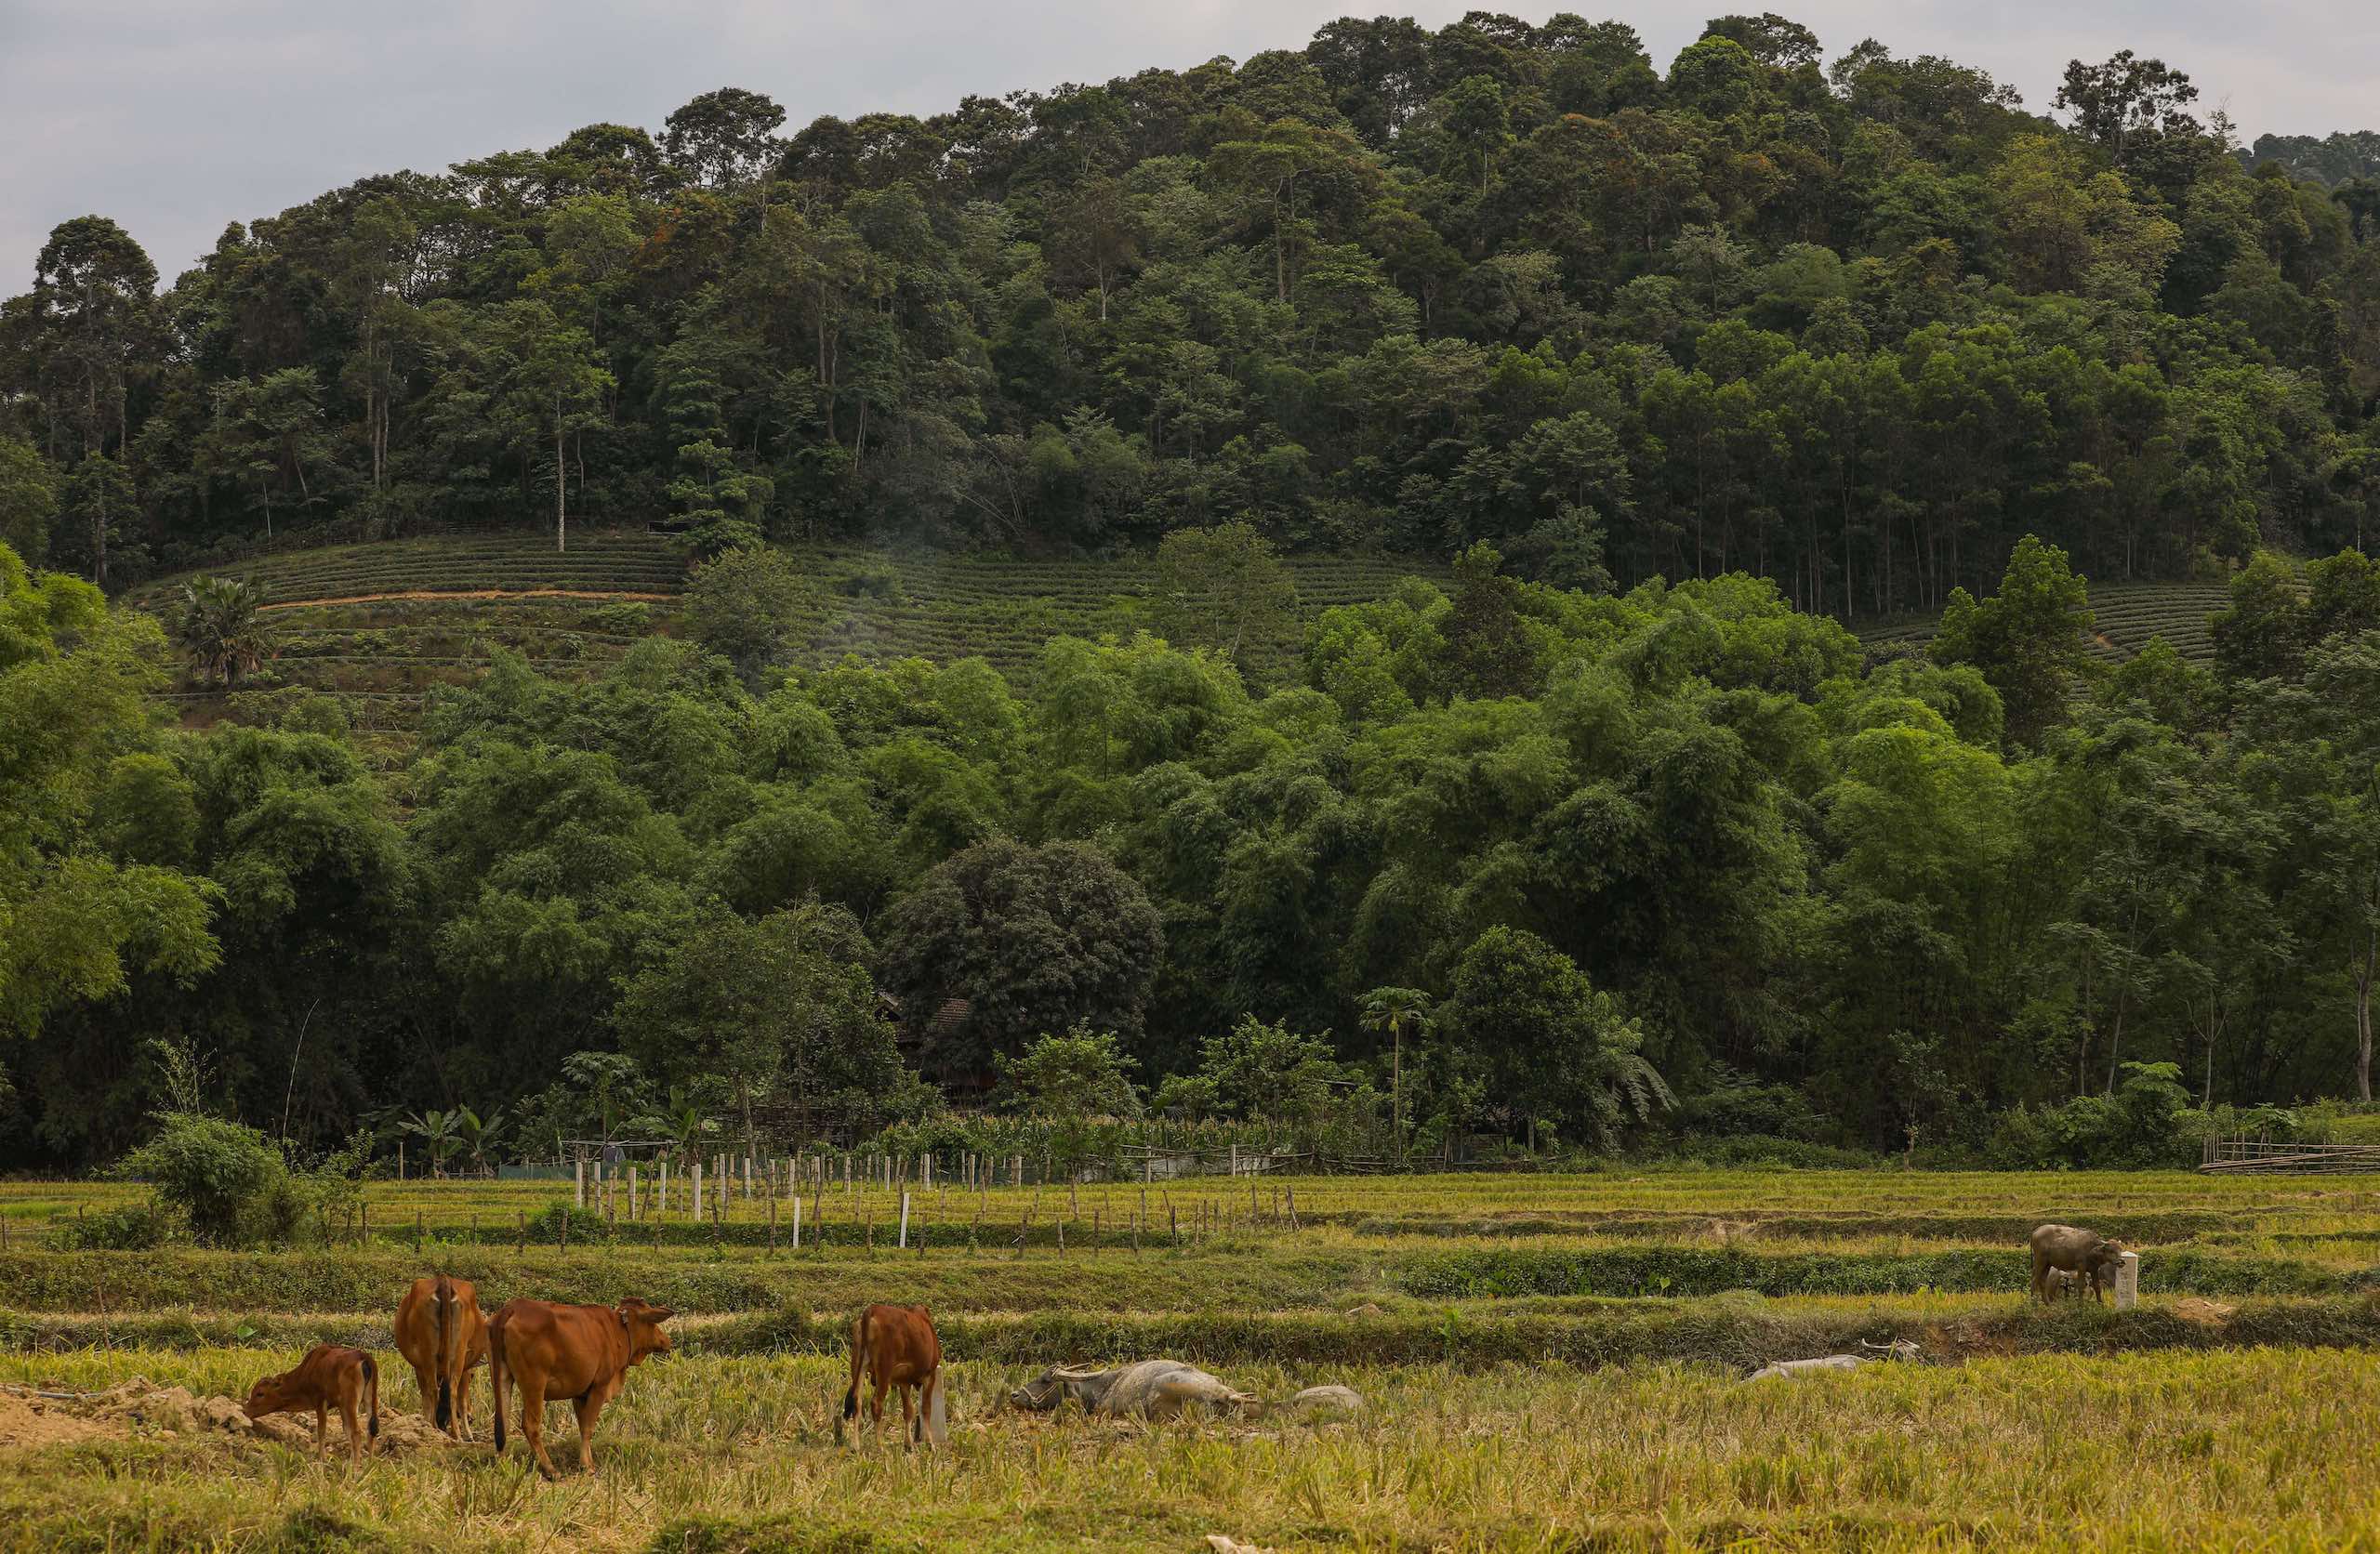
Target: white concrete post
904,1218
578,1180
2128,1282
797,1221
698,1189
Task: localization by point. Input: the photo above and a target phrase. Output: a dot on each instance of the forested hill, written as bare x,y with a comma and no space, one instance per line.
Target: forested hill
1852,324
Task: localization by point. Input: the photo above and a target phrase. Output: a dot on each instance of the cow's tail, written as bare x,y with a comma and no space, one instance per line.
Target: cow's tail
372,1392
495,1368
860,1335
444,1298
937,1414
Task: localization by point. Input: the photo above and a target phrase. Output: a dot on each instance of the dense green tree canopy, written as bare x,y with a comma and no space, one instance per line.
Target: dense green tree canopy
1856,327
1684,368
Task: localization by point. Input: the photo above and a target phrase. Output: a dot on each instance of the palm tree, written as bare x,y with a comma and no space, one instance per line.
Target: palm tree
1397,1010
222,629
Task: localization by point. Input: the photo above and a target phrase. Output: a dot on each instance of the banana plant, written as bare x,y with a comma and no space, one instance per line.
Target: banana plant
684,1120
478,1137
440,1133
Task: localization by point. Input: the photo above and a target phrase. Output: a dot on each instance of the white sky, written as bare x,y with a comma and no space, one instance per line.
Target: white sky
174,118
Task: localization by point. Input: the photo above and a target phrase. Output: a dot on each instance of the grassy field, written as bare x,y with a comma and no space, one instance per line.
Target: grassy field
1548,1362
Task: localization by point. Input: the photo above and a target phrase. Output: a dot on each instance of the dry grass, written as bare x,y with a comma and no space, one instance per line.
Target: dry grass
2250,1449
730,1446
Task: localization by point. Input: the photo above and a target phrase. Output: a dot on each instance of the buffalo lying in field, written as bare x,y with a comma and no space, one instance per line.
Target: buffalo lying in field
1795,1370
1151,1390
2088,1254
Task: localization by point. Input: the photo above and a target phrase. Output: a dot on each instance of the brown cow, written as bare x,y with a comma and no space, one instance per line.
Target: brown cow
896,1346
329,1374
579,1353
441,1335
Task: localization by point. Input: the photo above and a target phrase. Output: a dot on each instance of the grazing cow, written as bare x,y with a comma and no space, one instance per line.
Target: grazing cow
441,1335
330,1374
2086,1254
2062,1284
896,1346
1153,1388
579,1353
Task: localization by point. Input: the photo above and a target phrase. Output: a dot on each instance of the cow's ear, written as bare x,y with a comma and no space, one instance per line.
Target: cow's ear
658,1314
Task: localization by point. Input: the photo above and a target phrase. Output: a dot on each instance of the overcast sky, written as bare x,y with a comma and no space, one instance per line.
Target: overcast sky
176,118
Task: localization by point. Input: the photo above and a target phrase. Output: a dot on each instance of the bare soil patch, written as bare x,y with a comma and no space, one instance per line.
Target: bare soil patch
136,1409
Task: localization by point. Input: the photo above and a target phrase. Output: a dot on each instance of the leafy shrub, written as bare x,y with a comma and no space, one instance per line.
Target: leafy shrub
1758,1149
228,1182
585,1223
2143,1124
622,618
134,1227
873,578
1737,1105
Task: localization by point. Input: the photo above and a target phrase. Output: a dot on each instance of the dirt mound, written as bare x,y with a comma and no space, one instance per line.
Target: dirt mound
31,1421
31,1416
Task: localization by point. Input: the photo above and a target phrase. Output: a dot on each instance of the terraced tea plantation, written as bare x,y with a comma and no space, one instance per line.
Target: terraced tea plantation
2124,615
1544,1361
380,626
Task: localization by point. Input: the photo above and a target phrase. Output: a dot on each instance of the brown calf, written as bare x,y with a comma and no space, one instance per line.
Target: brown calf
441,1335
579,1353
896,1346
328,1374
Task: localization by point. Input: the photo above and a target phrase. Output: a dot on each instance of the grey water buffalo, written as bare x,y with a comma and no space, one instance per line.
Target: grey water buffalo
1796,1370
2086,1254
1151,1390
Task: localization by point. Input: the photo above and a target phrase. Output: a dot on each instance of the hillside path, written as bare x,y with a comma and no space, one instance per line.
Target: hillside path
462,593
